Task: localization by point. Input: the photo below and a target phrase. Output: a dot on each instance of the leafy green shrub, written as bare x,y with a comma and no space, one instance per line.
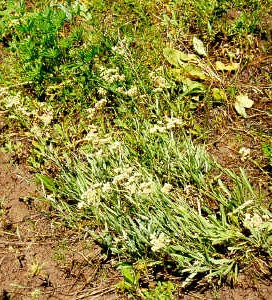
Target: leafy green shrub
51,58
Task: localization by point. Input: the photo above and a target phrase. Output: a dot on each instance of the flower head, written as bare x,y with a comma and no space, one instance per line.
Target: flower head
100,104
254,221
146,188
166,189
158,242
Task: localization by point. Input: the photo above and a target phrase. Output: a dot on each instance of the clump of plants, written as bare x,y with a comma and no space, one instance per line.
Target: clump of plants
114,136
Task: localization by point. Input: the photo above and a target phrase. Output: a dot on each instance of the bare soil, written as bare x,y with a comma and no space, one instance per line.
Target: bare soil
245,289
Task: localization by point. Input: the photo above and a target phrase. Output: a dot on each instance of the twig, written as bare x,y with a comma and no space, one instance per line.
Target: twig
8,233
97,293
18,233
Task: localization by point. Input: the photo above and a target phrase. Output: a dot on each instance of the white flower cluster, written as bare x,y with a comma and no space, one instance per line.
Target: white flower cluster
129,180
36,130
102,145
158,242
167,188
47,117
132,92
102,92
27,112
94,136
167,124
121,47
146,188
126,180
111,75
159,82
99,105
245,153
13,100
254,220
92,196
115,146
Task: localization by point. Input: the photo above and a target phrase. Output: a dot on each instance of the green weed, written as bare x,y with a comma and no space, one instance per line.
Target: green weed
267,149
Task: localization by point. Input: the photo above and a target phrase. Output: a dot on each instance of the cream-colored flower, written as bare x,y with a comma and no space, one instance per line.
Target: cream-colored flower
46,118
158,90
118,170
26,112
121,47
91,112
91,196
158,242
101,68
81,204
100,104
13,100
128,171
115,146
157,128
106,187
107,74
146,188
167,188
91,136
103,141
120,178
120,89
160,82
118,50
99,154
93,128
112,75
36,130
124,174
245,153
131,187
134,178
173,122
254,221
132,92
102,92
119,77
